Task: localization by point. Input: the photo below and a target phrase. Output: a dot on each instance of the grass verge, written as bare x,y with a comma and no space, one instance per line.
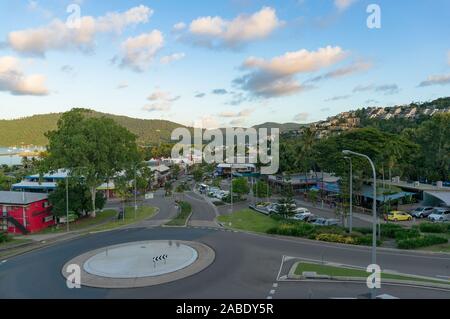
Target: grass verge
80,224
335,271
143,212
248,219
181,219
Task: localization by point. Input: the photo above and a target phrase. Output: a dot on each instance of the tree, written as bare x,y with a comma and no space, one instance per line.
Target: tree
123,189
79,199
176,171
261,189
286,208
168,187
93,148
240,186
198,174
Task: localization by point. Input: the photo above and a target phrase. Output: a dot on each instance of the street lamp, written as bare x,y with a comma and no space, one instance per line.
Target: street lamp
351,195
374,210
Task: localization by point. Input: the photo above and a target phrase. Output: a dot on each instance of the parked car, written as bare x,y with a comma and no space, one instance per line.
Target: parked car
301,210
222,194
422,212
325,222
397,216
440,215
304,217
273,208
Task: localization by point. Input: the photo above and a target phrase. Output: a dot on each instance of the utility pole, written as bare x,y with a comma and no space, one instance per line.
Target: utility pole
351,195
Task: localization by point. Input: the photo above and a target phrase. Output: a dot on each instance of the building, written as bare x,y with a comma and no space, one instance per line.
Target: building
46,184
225,169
24,213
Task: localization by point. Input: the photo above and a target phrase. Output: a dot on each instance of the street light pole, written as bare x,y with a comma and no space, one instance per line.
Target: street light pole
351,195
67,203
374,210
135,191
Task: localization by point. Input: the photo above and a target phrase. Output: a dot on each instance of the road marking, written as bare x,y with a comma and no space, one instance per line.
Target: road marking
270,297
272,292
275,285
4,261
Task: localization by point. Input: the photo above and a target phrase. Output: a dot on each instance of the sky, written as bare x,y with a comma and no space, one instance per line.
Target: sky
221,63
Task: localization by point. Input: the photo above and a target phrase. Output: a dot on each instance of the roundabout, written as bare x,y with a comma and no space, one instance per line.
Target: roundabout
141,264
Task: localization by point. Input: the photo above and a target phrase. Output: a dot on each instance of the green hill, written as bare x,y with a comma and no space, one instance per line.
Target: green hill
31,130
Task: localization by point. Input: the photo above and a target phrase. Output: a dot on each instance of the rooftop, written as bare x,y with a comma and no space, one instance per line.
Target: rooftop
20,198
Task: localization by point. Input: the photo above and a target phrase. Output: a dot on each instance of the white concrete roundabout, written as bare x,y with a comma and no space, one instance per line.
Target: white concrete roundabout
141,264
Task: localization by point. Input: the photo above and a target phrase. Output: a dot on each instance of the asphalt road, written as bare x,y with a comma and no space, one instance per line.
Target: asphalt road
246,265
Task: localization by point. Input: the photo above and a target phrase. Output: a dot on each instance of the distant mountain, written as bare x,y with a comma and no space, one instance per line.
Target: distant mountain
31,130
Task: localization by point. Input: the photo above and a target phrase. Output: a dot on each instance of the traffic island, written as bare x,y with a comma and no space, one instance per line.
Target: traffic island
312,271
141,264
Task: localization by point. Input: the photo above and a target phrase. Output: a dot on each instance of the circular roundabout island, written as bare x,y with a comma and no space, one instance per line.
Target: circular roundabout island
140,264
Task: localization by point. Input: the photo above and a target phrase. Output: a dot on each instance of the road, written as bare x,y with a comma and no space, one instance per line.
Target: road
246,265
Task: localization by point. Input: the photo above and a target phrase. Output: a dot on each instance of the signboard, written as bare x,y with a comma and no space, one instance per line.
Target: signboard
149,196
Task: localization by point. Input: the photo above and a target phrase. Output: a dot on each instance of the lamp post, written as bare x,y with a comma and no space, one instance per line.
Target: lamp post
374,210
67,202
135,191
351,195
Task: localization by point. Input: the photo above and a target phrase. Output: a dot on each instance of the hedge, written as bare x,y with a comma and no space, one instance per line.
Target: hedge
389,230
419,242
4,237
296,230
434,228
406,234
335,238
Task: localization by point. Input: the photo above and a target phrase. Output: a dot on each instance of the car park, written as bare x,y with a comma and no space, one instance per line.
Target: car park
397,216
422,212
440,215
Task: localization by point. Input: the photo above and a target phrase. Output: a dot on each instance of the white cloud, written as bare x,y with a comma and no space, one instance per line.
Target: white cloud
161,101
179,27
241,114
387,89
218,32
436,80
61,36
301,117
13,80
122,85
344,71
276,77
139,52
343,4
172,58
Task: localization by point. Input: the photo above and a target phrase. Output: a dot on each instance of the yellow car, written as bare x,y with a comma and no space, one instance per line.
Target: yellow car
397,216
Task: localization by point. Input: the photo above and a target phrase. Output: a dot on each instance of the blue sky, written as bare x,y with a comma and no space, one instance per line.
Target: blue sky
219,63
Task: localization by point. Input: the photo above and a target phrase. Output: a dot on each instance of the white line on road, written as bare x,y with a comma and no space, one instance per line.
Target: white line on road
270,297
4,261
275,285
272,292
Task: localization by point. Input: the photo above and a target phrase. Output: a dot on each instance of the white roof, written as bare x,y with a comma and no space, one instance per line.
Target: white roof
160,168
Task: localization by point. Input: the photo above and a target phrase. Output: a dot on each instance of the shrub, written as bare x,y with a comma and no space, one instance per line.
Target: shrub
423,241
388,230
4,237
433,228
363,230
335,238
331,230
365,240
406,234
296,230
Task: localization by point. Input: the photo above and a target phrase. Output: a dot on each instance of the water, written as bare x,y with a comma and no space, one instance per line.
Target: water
11,159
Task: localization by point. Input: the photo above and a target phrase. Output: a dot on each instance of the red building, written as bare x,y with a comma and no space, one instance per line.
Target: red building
24,213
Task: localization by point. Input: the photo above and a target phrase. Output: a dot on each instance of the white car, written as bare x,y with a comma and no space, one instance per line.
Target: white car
440,215
301,210
303,217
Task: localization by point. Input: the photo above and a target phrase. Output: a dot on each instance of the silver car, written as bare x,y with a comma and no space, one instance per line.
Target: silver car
422,212
440,215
